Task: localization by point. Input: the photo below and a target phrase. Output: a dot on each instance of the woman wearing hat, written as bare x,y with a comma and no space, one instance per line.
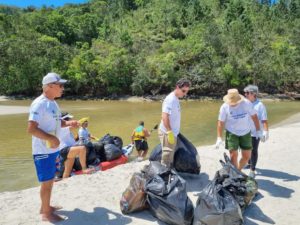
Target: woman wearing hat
234,116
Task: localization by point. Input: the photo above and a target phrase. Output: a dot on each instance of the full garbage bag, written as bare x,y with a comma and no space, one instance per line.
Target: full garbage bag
186,158
216,206
134,197
167,196
112,152
242,187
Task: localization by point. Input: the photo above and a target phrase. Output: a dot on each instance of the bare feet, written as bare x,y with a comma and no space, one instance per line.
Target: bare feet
52,209
89,171
51,217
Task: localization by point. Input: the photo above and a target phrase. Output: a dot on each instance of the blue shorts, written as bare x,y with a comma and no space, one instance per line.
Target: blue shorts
45,165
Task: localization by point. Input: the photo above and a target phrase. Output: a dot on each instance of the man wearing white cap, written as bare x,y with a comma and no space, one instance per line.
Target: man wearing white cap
44,124
234,116
251,92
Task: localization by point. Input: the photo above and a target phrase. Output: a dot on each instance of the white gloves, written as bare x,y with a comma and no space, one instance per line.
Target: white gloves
219,142
265,136
258,134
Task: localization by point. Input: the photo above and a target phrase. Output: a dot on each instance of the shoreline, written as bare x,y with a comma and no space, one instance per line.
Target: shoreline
94,199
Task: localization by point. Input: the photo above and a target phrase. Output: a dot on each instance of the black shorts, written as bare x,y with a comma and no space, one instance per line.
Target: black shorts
64,153
141,145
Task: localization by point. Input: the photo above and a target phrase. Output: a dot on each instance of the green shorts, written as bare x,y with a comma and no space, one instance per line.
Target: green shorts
233,142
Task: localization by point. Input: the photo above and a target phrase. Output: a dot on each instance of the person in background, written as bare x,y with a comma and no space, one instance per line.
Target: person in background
69,150
251,92
234,115
44,124
170,121
139,138
83,133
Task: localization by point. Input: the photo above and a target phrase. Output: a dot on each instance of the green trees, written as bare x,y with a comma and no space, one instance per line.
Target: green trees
143,46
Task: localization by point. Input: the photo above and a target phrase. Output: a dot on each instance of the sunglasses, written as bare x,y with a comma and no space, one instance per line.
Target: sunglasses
248,93
184,91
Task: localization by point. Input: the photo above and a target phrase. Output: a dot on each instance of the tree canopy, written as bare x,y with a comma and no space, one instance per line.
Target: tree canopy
140,47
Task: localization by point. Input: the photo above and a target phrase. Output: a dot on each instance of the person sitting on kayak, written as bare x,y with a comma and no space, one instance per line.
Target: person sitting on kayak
83,133
69,150
139,138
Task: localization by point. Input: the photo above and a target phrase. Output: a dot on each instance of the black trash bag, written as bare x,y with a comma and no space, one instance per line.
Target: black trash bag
100,152
118,142
156,154
153,169
216,206
186,157
167,197
134,198
112,152
91,157
242,187
106,139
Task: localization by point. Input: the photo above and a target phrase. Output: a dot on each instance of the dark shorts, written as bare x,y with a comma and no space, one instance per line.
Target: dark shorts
64,153
45,165
234,142
141,145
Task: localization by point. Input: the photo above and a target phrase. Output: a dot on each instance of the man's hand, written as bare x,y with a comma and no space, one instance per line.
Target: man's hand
73,123
53,142
265,136
171,138
258,134
219,142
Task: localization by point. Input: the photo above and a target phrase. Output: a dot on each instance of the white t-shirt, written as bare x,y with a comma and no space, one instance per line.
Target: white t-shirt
261,112
66,138
237,118
171,106
47,114
84,135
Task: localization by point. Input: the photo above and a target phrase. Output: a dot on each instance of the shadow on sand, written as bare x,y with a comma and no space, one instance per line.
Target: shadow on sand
253,213
277,174
100,216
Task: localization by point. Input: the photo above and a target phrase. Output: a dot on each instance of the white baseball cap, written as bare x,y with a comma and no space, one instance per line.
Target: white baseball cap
52,78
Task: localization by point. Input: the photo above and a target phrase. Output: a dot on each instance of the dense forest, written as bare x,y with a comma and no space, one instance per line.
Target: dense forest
141,47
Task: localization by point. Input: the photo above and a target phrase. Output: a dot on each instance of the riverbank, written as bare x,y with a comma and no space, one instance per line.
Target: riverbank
94,199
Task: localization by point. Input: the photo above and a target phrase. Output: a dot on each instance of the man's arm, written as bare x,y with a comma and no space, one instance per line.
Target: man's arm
256,122
37,132
220,127
166,121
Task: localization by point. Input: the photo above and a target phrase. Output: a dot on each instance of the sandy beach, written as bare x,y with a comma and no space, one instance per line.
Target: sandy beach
94,199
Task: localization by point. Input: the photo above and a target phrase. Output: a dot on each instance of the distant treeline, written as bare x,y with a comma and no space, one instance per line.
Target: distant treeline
141,47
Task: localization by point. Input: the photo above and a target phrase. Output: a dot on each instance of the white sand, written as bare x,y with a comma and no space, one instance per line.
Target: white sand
94,199
8,110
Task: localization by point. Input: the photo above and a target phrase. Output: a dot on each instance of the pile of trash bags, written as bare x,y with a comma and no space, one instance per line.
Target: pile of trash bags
108,148
161,190
224,199
185,152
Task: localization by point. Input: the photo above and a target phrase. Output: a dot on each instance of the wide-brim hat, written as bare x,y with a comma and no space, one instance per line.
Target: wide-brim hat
233,97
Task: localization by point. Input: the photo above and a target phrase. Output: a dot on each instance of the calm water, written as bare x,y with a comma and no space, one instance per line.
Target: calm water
115,117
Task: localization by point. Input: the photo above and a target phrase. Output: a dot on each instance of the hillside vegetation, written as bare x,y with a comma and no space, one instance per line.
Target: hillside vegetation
141,47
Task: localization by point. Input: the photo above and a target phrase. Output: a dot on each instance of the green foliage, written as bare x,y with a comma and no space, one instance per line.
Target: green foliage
143,46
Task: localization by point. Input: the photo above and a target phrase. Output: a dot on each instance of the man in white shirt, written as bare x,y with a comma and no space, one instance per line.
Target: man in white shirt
251,92
44,124
170,123
234,115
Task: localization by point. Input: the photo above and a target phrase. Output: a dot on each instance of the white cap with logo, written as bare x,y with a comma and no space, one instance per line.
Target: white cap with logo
53,78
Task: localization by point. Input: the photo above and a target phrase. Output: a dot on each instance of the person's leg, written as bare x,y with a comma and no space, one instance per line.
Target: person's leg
246,154
68,167
245,143
234,157
254,154
231,144
167,150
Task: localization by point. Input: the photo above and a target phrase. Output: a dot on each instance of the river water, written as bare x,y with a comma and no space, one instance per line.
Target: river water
118,118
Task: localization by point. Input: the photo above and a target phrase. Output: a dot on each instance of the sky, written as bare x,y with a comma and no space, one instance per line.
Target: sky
38,3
